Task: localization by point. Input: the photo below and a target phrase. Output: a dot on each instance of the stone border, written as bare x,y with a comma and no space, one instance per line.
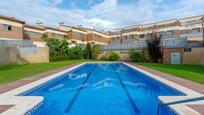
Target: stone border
24,104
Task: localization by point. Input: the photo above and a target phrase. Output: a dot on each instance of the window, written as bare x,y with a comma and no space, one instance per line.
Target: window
7,27
195,30
149,36
34,34
170,34
142,36
131,36
184,32
125,37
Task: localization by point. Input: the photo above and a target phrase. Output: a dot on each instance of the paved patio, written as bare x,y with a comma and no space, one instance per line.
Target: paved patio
186,83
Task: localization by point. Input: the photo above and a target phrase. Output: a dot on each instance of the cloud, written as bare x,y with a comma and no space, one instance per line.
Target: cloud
57,1
108,14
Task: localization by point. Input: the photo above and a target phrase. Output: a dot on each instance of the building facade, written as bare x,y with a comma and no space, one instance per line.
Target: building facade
191,28
11,28
34,33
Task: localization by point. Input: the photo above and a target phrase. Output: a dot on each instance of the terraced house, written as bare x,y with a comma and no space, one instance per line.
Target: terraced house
190,28
11,28
34,33
81,35
75,35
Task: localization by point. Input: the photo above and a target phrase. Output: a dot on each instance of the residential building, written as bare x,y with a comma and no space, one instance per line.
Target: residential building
11,28
55,33
34,33
97,37
192,28
81,35
125,35
75,35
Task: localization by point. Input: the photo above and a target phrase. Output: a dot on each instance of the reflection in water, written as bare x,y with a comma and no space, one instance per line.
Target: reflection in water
77,76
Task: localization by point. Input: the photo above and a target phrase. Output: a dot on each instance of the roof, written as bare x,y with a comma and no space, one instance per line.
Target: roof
34,27
12,19
51,28
129,27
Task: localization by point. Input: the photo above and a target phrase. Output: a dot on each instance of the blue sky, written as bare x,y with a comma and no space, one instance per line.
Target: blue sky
100,14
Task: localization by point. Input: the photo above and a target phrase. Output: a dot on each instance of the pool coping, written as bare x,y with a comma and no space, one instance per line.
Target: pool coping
25,104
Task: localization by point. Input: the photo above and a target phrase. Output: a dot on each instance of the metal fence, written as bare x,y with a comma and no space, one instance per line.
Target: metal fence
165,43
13,43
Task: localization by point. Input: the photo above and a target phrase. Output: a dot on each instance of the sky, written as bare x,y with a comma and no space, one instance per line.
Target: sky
99,14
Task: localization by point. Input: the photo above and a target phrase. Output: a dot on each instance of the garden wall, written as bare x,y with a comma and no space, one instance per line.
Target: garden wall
195,56
167,54
23,55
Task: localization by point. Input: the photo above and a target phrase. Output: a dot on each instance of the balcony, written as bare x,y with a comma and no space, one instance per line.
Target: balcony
193,36
165,43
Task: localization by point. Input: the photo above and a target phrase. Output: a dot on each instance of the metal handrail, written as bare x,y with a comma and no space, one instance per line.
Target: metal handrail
179,102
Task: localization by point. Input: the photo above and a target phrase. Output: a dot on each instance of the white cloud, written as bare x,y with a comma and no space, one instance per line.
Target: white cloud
107,15
57,1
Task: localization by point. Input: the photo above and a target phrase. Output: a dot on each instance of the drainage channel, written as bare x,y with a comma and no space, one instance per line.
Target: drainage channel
179,102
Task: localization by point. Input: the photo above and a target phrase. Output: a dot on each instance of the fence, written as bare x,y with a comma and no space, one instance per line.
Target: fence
167,43
13,43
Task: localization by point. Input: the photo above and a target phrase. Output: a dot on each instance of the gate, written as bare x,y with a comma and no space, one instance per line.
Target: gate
175,58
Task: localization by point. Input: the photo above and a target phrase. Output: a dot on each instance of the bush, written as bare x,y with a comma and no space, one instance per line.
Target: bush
76,53
113,57
104,57
87,52
137,56
95,51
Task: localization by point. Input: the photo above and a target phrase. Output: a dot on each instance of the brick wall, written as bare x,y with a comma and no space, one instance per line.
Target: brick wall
16,32
167,54
33,38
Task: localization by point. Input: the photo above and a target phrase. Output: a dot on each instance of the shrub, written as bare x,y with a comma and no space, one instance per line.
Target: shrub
95,51
76,53
137,56
113,56
87,51
104,57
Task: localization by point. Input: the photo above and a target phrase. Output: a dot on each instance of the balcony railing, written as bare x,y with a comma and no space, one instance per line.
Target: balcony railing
165,43
174,43
14,43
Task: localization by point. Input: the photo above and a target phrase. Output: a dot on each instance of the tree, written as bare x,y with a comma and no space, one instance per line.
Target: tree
95,51
88,54
154,48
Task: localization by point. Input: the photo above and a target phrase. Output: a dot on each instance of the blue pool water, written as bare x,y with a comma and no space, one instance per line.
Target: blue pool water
102,89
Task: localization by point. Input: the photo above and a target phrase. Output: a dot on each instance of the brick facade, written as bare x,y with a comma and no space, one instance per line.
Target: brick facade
167,54
15,33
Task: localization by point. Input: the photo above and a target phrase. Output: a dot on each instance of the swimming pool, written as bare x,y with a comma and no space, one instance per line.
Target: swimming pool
102,89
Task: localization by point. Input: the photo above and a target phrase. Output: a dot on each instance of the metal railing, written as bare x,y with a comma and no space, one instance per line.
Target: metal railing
14,43
165,43
174,43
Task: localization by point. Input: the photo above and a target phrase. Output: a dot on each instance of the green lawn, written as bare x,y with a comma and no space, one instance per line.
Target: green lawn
10,73
190,72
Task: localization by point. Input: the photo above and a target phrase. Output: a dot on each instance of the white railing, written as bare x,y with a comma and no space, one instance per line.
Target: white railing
165,43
